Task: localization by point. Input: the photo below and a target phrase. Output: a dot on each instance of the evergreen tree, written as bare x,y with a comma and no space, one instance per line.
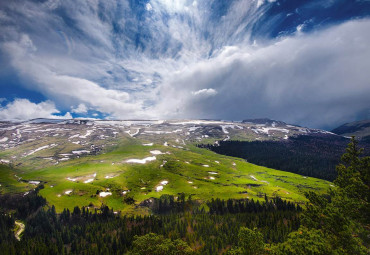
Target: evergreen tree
250,242
336,223
152,244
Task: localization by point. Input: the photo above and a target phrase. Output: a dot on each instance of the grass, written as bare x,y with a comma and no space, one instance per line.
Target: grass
233,179
9,182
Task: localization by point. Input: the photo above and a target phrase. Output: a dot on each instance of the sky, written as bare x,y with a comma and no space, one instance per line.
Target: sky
302,62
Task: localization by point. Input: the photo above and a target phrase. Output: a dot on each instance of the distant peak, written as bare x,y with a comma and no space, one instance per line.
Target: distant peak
264,121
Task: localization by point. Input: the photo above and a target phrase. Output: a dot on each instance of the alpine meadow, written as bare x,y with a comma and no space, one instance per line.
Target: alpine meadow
185,127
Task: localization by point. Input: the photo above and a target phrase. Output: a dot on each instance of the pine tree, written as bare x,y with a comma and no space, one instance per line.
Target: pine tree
333,223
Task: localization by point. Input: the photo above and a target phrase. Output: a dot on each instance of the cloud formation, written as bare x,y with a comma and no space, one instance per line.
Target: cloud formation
81,108
319,79
23,109
192,59
204,92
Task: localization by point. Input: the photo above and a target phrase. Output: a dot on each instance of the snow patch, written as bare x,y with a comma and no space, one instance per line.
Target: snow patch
157,132
164,162
81,152
192,129
159,188
164,182
88,133
148,144
141,161
41,148
133,134
156,152
104,194
4,139
110,176
34,182
196,122
266,130
74,136
67,192
254,178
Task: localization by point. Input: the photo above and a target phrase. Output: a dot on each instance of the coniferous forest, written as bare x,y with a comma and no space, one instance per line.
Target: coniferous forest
333,223
314,156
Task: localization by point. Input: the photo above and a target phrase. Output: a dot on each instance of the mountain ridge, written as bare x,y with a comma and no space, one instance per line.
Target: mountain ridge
359,129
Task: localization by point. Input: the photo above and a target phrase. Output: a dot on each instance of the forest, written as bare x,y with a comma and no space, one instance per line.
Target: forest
314,156
333,223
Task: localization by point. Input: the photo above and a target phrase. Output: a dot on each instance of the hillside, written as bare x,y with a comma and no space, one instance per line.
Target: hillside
359,129
309,155
123,163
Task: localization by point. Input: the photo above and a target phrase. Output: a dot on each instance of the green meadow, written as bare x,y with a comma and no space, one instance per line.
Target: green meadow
193,171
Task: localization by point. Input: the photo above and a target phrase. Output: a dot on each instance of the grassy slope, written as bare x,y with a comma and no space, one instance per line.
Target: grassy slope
232,181
9,182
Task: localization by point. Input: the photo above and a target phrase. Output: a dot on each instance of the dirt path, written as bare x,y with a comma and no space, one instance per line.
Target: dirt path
19,229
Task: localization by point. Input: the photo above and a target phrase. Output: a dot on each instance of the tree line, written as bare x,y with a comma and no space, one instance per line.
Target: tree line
309,155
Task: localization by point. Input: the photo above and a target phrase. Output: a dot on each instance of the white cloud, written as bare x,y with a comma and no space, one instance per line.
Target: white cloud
148,7
260,3
23,109
204,92
81,108
66,89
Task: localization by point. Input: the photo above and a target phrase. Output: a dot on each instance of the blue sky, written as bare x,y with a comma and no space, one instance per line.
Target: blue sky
303,62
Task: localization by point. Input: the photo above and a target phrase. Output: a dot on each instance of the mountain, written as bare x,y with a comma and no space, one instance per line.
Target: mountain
359,129
309,152
124,163
264,121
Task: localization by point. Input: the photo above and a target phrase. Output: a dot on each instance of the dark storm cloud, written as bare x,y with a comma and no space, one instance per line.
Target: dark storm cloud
319,80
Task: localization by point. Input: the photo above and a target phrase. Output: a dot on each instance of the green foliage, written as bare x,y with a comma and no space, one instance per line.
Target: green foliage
304,241
250,242
153,244
353,182
235,251
336,223
100,231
